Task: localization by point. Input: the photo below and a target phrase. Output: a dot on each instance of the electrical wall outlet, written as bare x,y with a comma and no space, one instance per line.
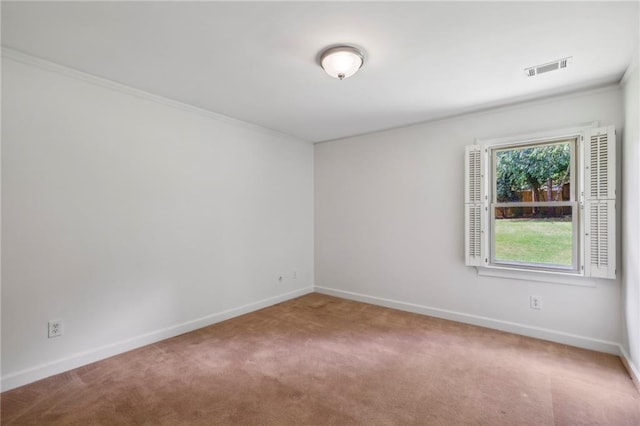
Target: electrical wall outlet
535,302
55,328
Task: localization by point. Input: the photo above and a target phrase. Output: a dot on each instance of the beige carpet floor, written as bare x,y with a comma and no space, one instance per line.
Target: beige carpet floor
322,360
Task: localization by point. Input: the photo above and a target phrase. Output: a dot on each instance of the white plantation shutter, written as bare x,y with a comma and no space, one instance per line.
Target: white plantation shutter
600,205
473,206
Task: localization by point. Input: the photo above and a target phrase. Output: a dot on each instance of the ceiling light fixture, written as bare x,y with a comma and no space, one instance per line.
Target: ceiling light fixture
341,61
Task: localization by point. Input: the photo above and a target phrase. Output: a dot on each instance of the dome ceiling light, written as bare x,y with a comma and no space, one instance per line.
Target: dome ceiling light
341,61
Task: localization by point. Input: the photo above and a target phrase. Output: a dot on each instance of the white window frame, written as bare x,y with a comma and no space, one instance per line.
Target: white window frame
593,212
576,231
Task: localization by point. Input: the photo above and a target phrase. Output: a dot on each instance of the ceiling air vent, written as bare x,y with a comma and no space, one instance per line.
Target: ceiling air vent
550,66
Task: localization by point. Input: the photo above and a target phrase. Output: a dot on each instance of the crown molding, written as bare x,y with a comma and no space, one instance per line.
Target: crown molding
603,86
27,59
633,66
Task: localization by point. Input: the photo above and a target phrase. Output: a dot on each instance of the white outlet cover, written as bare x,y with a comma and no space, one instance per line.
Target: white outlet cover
535,302
55,328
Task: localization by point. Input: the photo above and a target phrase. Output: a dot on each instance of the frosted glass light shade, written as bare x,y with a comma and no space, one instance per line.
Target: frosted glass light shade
341,61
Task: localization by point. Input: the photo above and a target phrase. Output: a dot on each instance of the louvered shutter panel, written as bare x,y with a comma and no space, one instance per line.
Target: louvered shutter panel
600,202
473,205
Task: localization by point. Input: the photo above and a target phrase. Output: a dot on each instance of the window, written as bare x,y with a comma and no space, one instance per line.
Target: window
543,203
532,206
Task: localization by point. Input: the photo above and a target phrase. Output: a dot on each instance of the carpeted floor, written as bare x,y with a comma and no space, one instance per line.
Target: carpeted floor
322,360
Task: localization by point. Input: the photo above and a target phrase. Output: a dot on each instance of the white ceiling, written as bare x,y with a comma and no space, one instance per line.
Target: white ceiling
258,61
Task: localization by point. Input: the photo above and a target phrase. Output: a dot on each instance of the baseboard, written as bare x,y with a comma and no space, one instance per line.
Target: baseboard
631,368
511,327
42,371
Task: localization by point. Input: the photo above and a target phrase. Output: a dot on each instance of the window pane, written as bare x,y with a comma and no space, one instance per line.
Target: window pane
534,235
534,173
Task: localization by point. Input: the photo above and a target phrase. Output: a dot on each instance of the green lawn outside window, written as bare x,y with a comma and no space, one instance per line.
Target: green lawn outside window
542,241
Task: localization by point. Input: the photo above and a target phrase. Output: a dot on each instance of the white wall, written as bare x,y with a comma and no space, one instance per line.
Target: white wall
133,220
389,225
631,216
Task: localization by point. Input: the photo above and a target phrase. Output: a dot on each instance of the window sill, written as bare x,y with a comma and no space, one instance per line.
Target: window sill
540,276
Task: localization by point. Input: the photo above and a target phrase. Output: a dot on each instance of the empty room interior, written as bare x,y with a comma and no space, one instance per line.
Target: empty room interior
320,213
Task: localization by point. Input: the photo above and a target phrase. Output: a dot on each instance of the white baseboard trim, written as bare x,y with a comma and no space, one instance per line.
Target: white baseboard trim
510,327
21,378
631,368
